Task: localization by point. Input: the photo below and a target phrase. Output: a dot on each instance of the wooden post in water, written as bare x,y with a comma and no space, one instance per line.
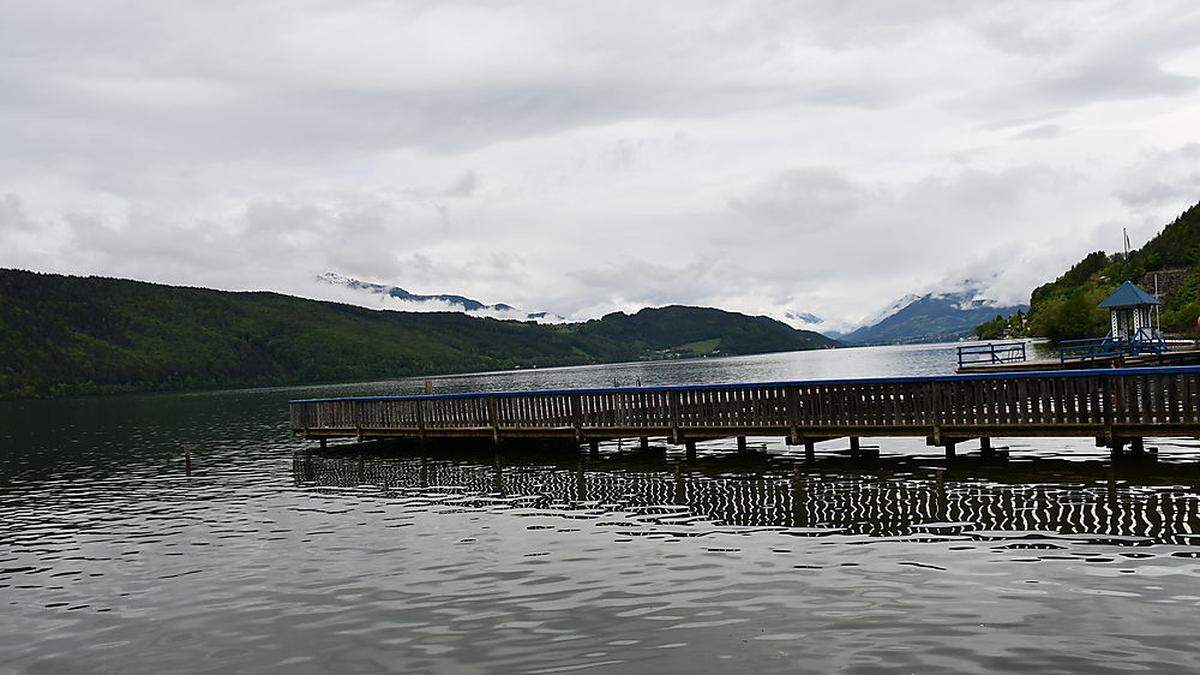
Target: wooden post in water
810,451
580,482
741,444
324,443
594,449
690,447
939,486
498,475
949,445
1117,449
985,448
799,512
644,443
855,446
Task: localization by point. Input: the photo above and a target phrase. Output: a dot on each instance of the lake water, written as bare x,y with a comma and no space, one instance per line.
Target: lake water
268,558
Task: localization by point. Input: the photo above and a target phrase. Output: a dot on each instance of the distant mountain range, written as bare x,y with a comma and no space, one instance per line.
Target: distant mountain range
934,317
447,301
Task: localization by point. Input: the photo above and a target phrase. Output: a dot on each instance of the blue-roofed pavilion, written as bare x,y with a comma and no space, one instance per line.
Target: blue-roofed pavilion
1129,313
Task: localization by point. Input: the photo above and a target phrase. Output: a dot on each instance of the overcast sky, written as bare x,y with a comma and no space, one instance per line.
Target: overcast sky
579,157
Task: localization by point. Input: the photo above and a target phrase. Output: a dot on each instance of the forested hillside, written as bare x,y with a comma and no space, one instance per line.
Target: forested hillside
70,335
1066,307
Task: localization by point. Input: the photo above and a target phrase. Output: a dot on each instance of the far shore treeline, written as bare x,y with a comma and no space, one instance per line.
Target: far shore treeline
1066,308
64,335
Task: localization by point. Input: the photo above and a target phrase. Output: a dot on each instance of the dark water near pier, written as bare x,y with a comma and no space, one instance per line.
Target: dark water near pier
268,559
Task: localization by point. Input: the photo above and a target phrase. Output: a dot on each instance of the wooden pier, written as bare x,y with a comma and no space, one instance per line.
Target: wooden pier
1118,407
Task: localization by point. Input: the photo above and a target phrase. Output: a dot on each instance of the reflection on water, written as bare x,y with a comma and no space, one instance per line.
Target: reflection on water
895,500
271,557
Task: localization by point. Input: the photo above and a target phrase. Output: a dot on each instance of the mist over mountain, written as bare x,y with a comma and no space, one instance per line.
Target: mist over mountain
405,300
933,317
805,319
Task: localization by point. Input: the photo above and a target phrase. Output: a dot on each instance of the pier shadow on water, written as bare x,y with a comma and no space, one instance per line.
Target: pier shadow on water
1039,504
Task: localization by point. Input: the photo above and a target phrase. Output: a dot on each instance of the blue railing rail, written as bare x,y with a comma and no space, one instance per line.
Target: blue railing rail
992,352
1089,349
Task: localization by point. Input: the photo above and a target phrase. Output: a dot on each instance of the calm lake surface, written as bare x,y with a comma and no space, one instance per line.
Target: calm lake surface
268,558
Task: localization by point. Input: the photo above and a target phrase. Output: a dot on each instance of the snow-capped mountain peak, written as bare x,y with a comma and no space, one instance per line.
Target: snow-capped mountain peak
932,317
399,298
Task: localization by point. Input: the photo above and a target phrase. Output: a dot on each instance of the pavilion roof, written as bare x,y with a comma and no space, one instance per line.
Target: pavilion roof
1128,295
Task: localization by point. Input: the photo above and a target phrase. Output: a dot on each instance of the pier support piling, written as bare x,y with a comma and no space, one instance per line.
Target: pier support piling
690,448
741,445
324,443
949,446
855,446
594,449
810,451
644,443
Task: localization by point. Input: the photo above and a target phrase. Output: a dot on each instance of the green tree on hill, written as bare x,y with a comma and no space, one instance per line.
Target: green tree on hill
1072,316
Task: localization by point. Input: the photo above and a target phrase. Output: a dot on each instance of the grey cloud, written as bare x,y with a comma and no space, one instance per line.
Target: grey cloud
12,215
1110,53
804,200
1116,76
1162,180
1159,192
465,186
1040,131
647,283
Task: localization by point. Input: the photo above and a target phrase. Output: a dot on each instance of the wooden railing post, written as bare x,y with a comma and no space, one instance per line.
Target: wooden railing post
575,403
793,414
421,419
493,418
1109,391
935,412
673,403
357,410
